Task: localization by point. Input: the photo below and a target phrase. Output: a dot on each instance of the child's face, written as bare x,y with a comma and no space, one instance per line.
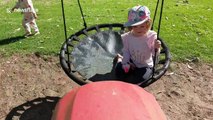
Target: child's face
141,29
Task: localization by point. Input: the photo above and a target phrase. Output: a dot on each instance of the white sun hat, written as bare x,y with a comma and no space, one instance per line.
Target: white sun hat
137,15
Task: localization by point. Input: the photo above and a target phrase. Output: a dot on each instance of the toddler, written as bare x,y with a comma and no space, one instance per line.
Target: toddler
139,46
27,9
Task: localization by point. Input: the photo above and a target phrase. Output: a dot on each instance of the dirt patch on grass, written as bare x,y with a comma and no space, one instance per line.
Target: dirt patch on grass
185,92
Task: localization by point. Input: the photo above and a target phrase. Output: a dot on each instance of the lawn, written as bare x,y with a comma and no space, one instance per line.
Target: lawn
186,25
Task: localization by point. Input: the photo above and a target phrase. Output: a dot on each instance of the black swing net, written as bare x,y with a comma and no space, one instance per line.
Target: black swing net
88,55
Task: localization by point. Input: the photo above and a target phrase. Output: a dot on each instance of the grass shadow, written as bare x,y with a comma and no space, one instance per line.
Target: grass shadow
11,40
37,109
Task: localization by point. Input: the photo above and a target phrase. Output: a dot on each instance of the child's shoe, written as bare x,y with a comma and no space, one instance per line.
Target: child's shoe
37,33
27,34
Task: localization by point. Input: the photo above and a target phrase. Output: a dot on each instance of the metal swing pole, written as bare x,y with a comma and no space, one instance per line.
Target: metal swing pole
158,33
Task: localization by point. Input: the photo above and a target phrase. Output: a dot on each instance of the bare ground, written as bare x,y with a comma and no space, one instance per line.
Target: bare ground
185,92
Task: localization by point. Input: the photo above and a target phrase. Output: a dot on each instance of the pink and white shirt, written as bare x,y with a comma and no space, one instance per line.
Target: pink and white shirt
139,49
26,7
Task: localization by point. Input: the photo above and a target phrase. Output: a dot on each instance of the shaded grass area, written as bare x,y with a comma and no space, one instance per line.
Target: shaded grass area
186,25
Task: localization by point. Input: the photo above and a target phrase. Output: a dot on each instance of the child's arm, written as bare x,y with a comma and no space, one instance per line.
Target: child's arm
126,54
35,15
15,7
30,4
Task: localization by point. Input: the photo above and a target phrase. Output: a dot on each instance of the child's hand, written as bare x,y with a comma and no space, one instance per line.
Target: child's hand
35,16
132,66
126,68
12,10
157,44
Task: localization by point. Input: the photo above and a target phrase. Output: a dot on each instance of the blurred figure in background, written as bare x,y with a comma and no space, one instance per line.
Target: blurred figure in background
30,16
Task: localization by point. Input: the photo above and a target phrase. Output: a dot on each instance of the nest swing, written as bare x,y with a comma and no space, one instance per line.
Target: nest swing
87,55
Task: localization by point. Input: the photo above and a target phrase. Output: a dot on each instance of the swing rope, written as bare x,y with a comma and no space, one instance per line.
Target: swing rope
65,30
79,4
64,19
156,9
161,14
158,33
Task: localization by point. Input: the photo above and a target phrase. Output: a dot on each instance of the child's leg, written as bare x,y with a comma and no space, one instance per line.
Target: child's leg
142,74
26,25
119,71
34,26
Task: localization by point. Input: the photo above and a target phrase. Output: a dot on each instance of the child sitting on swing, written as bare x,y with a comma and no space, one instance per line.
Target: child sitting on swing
139,46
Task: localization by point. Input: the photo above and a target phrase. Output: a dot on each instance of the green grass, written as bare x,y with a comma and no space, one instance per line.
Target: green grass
186,27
